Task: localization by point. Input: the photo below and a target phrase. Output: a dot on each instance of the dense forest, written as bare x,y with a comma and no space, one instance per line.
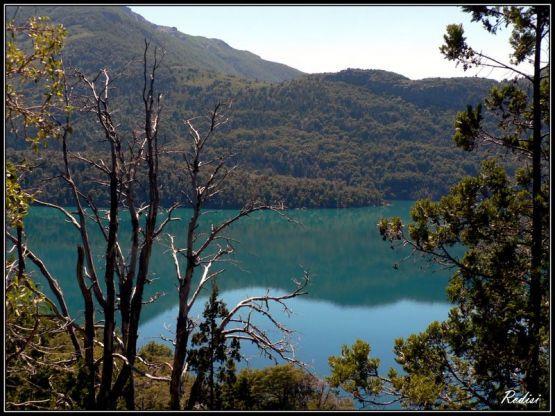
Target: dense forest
223,128
354,138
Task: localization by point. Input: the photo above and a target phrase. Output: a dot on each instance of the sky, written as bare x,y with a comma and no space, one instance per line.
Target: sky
314,39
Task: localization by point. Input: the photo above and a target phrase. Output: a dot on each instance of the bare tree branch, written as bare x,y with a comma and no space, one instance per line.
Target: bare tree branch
55,287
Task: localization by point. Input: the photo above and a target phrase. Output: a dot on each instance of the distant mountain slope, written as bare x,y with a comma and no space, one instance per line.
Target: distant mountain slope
97,29
436,93
350,138
316,141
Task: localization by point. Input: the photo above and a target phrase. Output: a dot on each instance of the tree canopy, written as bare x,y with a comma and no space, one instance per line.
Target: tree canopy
495,342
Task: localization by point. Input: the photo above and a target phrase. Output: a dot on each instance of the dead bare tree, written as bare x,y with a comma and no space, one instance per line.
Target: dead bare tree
132,159
125,274
131,270
238,323
206,180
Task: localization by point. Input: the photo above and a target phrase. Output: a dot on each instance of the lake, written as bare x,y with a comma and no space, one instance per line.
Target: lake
355,291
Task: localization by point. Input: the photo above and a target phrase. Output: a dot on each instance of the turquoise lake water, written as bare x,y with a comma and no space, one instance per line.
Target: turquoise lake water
355,291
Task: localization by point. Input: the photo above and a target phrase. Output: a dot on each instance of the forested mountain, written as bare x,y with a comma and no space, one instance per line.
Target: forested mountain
110,36
322,140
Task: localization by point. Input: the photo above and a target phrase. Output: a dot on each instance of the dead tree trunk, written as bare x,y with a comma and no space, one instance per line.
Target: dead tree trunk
104,117
134,295
142,151
206,179
128,157
88,340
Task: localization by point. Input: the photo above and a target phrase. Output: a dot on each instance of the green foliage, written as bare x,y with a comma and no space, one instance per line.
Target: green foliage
495,339
520,18
467,124
391,229
281,387
32,57
455,44
212,356
152,394
490,326
355,372
17,200
284,387
325,140
319,141
39,356
41,372
153,351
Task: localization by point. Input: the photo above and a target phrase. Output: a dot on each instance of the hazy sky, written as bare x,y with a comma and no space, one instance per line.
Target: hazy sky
402,39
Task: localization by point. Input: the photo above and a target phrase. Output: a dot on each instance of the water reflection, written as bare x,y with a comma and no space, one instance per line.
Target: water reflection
355,292
348,262
321,327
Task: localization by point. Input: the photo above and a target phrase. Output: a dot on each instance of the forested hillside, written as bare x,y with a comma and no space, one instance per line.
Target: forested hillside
111,36
351,138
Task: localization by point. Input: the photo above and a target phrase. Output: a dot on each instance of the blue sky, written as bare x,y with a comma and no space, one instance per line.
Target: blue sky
402,39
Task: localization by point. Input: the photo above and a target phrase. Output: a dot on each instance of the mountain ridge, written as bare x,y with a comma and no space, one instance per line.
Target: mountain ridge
124,30
351,138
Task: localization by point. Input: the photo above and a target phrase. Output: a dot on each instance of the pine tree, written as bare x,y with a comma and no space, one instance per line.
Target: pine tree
213,358
496,339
